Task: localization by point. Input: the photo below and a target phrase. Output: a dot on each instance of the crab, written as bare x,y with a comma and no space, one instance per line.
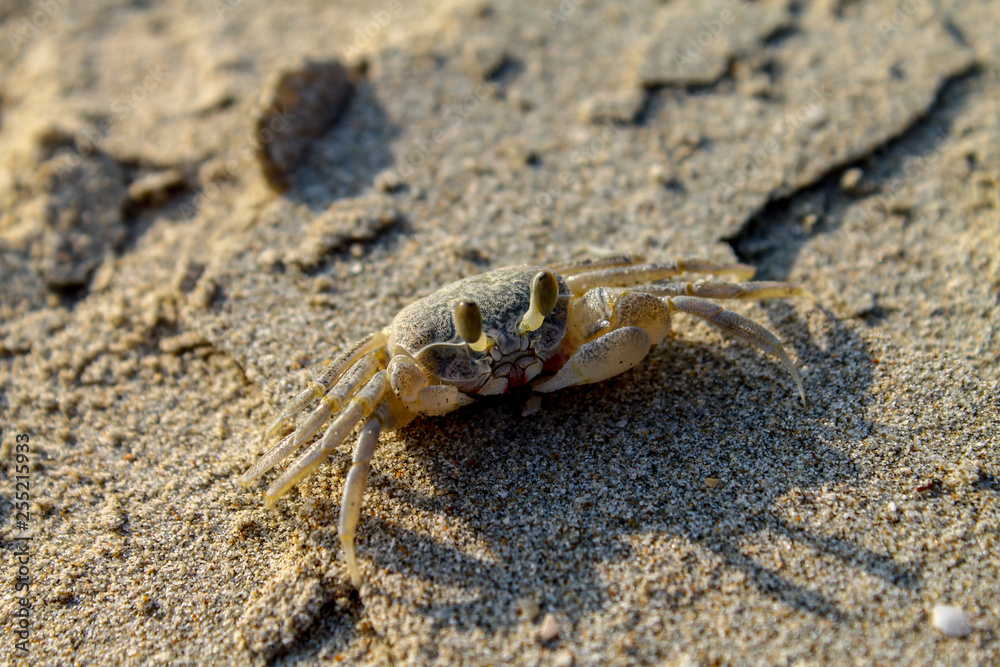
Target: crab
553,327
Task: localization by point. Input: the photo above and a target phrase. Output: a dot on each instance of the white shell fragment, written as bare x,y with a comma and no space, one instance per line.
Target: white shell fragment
564,659
951,620
550,628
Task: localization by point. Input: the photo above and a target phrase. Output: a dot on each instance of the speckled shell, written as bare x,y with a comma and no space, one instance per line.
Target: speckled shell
503,297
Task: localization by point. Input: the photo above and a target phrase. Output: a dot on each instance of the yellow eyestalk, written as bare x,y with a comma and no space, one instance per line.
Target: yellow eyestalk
544,295
469,325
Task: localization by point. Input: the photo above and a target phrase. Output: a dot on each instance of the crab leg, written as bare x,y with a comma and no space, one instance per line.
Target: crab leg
607,262
326,377
605,357
712,289
354,489
640,319
629,276
363,403
740,326
355,377
279,452
350,381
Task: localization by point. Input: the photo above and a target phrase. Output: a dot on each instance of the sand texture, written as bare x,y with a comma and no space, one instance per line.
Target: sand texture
201,203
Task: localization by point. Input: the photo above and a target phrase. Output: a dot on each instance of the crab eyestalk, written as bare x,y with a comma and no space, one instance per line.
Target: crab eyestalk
544,295
469,325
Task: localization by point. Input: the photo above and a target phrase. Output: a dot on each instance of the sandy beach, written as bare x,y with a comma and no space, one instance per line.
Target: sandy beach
204,202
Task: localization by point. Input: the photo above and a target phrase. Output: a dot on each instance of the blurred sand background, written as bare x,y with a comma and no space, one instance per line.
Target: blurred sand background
163,288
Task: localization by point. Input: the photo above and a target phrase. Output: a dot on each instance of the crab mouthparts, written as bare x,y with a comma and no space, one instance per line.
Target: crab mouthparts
519,371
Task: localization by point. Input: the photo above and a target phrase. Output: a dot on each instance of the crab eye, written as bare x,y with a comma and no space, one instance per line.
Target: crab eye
544,295
469,324
544,292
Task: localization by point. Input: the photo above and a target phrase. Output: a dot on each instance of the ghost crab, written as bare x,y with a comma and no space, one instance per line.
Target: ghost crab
554,327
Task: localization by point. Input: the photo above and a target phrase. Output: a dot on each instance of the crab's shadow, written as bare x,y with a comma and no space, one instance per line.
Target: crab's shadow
555,498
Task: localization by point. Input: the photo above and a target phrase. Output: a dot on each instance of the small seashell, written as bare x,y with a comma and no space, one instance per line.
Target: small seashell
550,628
951,620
